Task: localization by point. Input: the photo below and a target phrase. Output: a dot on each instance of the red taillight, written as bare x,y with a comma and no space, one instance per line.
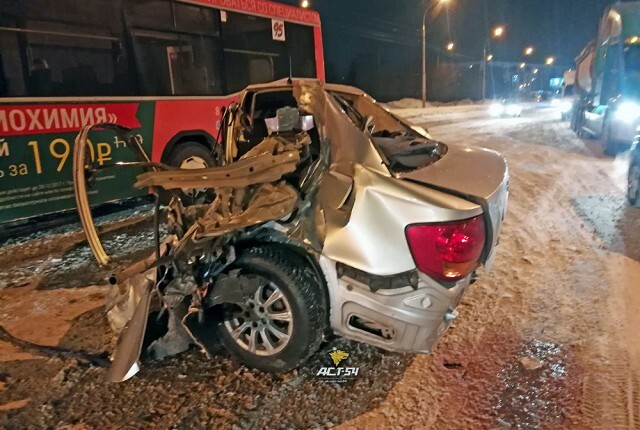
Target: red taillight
447,251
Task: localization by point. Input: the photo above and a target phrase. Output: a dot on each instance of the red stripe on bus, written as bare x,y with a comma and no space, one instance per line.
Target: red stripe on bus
317,36
265,8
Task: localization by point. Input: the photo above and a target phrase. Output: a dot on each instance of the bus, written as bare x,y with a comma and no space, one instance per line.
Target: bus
164,68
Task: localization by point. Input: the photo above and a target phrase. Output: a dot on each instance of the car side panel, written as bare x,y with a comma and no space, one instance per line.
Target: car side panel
373,240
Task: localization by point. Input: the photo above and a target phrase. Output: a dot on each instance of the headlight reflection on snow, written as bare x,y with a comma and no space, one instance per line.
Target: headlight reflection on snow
628,112
514,110
619,171
496,109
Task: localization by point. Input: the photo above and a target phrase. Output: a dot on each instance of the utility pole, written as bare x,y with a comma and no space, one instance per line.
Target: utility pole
424,50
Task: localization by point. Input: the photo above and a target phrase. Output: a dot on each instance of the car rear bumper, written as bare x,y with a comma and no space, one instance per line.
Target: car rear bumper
399,319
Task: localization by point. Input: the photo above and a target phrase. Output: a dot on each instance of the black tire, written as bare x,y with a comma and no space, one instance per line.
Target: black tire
181,154
610,146
634,175
308,302
575,120
578,124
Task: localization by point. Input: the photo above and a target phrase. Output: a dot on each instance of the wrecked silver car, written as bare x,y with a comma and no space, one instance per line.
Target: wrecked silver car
329,214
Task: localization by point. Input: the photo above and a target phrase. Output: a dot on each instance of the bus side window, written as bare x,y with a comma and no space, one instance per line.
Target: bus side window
4,85
172,64
260,70
11,73
176,57
251,55
66,60
300,43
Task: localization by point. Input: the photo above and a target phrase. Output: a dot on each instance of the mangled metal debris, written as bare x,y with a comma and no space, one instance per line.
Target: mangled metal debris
315,221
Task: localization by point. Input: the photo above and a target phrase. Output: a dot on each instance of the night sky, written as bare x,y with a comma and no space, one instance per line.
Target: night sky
373,33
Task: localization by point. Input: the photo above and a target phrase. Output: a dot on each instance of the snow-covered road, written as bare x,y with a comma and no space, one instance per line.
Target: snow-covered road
548,339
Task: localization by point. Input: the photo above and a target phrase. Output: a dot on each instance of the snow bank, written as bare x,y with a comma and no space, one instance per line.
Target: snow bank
409,103
406,103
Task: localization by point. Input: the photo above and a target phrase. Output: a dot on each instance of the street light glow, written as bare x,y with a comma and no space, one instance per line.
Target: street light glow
439,4
528,51
550,61
535,71
522,65
304,3
450,46
496,32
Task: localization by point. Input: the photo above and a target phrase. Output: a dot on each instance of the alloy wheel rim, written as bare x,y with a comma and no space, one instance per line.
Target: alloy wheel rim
263,324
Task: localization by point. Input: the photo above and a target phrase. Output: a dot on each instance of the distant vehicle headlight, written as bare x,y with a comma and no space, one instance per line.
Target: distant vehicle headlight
496,109
555,103
566,106
628,112
514,110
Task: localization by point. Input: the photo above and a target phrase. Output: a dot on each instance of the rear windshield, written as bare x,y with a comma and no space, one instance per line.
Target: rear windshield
402,148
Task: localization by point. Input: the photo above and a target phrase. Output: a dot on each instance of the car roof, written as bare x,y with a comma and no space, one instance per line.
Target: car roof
282,83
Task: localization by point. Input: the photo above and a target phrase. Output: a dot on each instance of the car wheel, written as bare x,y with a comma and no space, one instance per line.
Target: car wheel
580,131
283,316
610,146
578,122
575,119
190,155
633,185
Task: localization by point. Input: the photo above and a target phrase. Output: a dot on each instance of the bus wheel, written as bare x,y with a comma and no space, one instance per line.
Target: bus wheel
191,155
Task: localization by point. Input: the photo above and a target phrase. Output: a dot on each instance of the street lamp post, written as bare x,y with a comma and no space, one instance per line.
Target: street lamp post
484,69
424,51
497,32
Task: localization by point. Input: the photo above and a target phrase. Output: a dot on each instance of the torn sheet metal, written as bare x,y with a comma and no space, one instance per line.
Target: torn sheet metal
258,205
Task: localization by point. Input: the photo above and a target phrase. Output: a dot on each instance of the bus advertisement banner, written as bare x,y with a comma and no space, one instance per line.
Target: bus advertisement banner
36,154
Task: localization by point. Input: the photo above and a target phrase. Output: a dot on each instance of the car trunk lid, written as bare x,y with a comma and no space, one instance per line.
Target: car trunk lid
478,175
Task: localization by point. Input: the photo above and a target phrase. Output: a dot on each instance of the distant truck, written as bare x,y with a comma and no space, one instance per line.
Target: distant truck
608,80
568,83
